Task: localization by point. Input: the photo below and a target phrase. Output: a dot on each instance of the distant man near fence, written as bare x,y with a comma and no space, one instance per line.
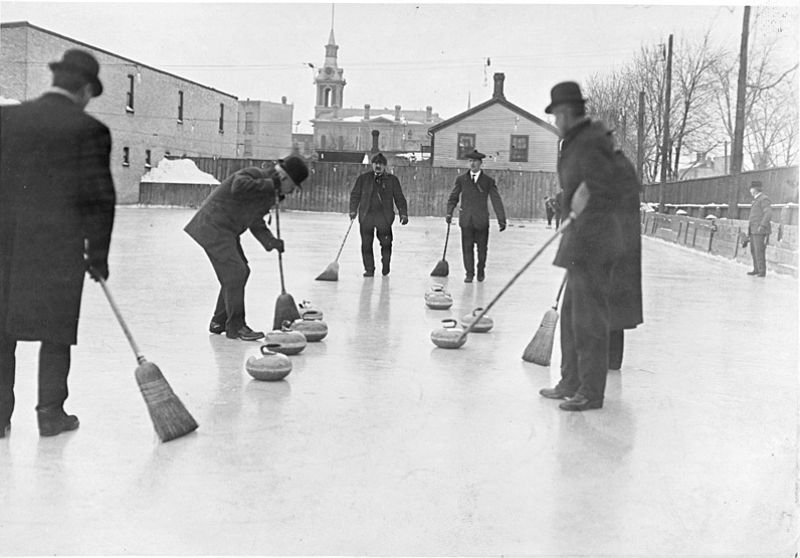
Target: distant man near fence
372,199
236,205
56,214
473,189
759,228
593,250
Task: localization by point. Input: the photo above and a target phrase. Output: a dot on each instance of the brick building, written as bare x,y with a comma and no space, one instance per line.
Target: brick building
265,129
511,137
151,113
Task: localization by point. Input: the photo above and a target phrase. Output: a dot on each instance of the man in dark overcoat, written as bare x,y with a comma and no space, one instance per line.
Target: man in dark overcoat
56,214
474,188
236,205
590,249
373,198
759,228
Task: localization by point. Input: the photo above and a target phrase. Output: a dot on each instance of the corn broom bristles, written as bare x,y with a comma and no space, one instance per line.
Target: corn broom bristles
170,418
540,349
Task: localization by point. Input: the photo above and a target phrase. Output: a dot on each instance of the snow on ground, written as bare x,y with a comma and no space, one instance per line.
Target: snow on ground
178,171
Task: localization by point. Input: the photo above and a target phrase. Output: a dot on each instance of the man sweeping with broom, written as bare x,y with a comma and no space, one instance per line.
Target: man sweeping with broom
591,250
238,204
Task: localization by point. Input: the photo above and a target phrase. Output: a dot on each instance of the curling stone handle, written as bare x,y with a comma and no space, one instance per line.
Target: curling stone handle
449,323
266,348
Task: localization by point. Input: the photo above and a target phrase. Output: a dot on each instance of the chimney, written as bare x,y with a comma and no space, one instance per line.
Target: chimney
428,114
498,86
375,134
283,99
366,112
397,113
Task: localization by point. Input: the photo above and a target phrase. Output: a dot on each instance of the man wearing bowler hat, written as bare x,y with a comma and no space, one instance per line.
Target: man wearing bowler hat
372,199
473,189
759,228
56,214
236,205
601,250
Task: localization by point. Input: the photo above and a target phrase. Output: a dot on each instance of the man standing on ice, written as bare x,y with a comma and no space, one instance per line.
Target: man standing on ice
238,204
56,214
597,250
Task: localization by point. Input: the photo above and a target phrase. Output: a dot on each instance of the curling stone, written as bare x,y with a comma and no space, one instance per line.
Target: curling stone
312,328
288,342
437,298
448,336
308,310
483,325
269,367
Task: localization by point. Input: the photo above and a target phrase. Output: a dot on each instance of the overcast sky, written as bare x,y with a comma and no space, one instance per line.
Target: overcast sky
408,54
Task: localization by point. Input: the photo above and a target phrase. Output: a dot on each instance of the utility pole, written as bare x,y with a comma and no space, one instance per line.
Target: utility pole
640,139
665,144
738,130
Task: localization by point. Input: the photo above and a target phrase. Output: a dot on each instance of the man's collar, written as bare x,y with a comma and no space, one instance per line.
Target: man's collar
579,125
61,91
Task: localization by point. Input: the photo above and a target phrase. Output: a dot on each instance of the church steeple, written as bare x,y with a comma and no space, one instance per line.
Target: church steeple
330,81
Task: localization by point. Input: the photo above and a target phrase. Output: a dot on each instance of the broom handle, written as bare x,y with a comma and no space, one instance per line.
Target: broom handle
564,225
339,253
560,290
446,238
278,229
139,357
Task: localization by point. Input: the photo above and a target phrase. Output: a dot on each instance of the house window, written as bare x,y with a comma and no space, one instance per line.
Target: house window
248,148
147,159
519,149
129,105
248,123
126,156
221,118
322,142
180,107
466,144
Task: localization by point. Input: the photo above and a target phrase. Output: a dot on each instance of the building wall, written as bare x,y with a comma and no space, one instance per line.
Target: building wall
357,136
153,125
493,128
270,135
304,143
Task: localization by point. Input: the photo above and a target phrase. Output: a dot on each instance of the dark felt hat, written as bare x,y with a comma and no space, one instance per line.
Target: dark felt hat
295,167
757,185
475,155
566,92
83,64
379,158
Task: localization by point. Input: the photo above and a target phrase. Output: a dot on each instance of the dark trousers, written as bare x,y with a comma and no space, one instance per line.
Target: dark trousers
54,363
616,345
373,225
758,249
550,214
470,237
232,272
585,331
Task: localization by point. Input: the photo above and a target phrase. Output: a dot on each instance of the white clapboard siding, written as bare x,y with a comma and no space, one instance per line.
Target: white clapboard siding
493,128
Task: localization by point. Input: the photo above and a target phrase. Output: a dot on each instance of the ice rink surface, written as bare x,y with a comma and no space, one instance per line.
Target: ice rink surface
379,443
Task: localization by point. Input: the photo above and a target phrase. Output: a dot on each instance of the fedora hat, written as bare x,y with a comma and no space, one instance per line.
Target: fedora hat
295,167
475,155
83,64
566,92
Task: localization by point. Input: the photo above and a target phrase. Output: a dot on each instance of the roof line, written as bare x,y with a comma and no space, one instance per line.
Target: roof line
87,45
494,100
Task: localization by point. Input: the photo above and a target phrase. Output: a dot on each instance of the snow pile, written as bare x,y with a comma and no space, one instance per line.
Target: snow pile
178,171
7,101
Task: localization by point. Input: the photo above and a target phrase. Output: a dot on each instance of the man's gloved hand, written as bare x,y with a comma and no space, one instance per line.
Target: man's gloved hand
352,216
404,219
502,226
97,268
448,219
276,244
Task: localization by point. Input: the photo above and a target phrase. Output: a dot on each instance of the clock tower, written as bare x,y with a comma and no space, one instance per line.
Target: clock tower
330,83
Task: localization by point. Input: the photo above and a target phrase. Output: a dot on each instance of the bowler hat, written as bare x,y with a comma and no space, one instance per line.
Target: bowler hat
83,64
566,92
295,167
475,155
756,184
379,158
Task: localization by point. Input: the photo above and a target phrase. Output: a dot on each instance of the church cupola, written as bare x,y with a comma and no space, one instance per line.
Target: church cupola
330,82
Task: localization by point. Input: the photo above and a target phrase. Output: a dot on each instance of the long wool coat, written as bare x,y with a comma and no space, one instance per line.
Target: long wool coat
56,202
608,232
361,196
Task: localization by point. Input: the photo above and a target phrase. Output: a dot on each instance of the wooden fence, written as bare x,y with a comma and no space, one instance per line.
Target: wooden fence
779,184
426,188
